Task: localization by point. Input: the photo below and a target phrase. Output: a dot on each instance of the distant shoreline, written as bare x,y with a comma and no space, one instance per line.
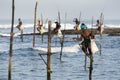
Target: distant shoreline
110,31
94,30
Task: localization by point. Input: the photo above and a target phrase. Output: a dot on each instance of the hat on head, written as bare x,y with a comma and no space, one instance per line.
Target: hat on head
83,26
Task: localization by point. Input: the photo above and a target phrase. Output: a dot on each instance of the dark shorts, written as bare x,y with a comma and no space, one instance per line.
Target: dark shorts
98,28
86,42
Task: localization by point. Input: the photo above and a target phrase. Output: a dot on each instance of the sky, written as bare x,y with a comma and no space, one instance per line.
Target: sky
49,9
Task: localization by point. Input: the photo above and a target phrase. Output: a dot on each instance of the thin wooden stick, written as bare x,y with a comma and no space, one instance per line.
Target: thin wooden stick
42,59
101,22
59,23
11,42
21,36
42,26
100,44
80,17
59,17
35,23
62,40
61,50
91,59
79,25
85,62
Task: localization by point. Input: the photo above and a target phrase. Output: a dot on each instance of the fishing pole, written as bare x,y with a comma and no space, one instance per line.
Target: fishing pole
42,26
79,24
80,17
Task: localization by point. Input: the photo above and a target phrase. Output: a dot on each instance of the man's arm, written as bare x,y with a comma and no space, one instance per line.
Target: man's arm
92,36
74,38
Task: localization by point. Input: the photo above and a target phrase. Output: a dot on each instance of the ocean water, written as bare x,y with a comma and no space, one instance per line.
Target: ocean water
28,65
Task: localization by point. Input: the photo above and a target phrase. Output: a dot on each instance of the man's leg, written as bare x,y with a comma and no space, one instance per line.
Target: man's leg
84,48
89,48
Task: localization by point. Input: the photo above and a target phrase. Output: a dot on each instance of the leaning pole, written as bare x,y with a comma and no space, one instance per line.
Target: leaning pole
35,23
11,42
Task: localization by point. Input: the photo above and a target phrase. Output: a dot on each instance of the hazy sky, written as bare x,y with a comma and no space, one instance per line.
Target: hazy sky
50,8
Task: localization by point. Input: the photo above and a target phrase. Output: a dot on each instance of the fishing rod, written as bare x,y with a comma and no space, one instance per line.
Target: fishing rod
79,24
80,17
42,26
41,19
46,21
59,17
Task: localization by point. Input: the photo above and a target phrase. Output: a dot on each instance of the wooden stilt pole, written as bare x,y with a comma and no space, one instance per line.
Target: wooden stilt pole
101,23
11,42
91,58
42,35
62,40
21,36
49,52
59,23
61,50
100,44
91,67
85,62
35,22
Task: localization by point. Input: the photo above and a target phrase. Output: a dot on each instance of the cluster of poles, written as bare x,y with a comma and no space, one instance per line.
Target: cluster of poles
49,46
